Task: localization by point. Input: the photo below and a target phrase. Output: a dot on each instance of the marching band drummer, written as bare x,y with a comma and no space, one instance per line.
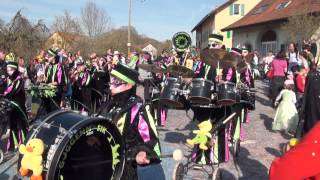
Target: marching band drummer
246,77
151,86
56,76
81,84
218,153
14,91
136,125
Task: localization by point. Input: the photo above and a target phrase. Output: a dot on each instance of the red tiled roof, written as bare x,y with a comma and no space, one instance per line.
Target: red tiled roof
213,12
271,13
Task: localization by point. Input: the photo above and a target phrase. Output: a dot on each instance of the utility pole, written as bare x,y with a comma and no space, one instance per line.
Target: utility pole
129,27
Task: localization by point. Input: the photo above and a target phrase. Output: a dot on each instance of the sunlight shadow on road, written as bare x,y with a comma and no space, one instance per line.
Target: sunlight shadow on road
250,168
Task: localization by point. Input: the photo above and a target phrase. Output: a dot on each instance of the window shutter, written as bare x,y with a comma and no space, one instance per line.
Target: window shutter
242,9
231,9
228,34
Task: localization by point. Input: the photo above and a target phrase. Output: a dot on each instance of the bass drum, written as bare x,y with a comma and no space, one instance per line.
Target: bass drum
79,147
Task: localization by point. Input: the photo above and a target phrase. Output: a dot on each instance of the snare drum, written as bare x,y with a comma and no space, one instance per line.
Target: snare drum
227,94
248,99
201,91
170,95
79,147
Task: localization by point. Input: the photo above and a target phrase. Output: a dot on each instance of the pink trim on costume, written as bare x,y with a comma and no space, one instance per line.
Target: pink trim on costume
8,90
163,117
134,112
211,154
8,144
194,153
19,137
247,76
226,147
143,129
229,131
84,79
229,75
241,133
59,74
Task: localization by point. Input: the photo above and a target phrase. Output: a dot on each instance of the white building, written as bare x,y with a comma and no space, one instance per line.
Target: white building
261,29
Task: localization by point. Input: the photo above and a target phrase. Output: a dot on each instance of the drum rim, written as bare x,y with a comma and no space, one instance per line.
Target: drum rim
166,99
202,79
36,130
65,141
227,82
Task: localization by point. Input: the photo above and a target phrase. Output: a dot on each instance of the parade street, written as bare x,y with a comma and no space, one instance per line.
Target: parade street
259,148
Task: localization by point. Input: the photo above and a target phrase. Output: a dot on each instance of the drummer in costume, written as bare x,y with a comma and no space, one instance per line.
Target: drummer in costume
246,77
136,124
152,94
218,153
101,80
14,91
235,128
56,76
81,86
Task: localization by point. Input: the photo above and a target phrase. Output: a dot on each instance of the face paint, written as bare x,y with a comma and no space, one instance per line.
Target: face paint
118,86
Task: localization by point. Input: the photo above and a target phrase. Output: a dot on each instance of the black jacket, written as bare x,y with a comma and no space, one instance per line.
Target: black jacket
120,109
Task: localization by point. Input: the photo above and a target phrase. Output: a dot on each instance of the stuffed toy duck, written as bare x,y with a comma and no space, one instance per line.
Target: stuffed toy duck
32,158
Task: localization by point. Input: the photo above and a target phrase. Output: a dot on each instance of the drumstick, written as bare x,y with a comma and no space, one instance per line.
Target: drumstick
177,155
220,123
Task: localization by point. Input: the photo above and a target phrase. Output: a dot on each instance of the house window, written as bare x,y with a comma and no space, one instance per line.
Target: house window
283,5
261,9
269,42
236,9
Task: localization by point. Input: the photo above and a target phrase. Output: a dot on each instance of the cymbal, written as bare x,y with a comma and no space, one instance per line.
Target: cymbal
178,70
151,68
242,66
215,57
249,57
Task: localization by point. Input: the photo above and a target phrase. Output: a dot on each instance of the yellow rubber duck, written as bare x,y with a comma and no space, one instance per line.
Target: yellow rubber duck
32,158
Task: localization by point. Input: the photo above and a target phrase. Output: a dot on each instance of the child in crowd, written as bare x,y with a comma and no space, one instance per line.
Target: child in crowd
286,117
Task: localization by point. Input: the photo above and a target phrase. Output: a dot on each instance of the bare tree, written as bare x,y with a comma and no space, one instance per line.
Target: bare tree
66,23
95,20
22,37
302,26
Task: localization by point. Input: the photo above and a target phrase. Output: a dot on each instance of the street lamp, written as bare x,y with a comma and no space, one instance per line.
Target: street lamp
129,27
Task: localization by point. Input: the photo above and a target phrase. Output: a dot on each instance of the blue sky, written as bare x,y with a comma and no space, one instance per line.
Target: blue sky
158,19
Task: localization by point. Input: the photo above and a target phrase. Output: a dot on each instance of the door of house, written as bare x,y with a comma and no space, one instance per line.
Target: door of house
268,46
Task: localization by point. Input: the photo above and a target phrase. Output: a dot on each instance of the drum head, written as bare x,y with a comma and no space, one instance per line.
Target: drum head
94,152
79,147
